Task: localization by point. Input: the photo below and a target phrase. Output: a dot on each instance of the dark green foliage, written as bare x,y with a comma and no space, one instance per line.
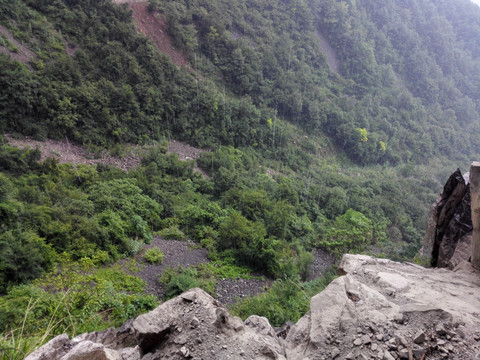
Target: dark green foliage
23,257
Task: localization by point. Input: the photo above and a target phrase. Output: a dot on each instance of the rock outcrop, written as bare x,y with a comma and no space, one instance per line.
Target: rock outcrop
191,326
378,309
381,309
448,237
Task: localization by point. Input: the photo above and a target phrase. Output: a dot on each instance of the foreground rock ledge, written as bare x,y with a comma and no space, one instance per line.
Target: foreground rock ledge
379,309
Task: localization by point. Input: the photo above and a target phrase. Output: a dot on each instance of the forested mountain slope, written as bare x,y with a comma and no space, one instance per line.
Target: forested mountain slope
409,74
300,156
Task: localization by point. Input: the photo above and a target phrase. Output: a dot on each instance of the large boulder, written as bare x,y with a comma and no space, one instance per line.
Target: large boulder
386,310
377,309
191,326
449,226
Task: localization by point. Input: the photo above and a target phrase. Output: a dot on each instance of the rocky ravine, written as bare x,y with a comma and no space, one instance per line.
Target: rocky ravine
378,309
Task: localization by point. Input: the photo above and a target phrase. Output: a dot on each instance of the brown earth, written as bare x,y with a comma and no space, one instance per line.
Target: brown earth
154,26
66,152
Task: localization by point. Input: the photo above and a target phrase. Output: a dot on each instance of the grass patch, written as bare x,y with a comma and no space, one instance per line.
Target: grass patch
286,300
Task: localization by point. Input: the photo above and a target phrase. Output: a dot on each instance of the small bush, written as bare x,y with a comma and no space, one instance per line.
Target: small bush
286,300
172,233
153,256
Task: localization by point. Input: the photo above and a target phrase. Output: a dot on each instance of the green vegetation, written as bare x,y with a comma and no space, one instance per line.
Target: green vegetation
153,256
286,300
72,299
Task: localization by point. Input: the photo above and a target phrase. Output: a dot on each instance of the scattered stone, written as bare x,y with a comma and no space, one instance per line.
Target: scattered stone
417,351
194,323
403,354
208,331
366,339
440,329
402,340
129,354
388,356
398,318
184,351
419,337
357,342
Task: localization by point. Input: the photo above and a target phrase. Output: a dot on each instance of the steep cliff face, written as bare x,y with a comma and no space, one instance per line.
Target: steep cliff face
378,309
448,238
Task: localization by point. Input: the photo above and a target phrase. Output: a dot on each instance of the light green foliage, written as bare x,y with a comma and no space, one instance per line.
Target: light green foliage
153,256
286,300
172,233
177,281
80,298
224,269
351,232
362,134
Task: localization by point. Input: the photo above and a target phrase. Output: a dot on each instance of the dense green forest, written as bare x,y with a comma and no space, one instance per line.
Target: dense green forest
301,157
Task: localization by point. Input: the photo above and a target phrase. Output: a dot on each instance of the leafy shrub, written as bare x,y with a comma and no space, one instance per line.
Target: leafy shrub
79,299
351,231
153,256
177,281
172,233
286,300
23,256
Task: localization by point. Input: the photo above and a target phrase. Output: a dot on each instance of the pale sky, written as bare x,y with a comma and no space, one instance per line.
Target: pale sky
476,2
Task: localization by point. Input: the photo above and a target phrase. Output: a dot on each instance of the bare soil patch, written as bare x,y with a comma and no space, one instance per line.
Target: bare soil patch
23,54
332,58
154,26
66,152
185,254
177,253
187,152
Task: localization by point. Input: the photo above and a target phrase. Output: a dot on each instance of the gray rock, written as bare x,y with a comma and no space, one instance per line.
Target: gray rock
388,356
461,331
419,337
398,318
129,354
366,340
196,326
417,351
403,354
440,329
54,349
87,350
357,342
449,222
335,353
